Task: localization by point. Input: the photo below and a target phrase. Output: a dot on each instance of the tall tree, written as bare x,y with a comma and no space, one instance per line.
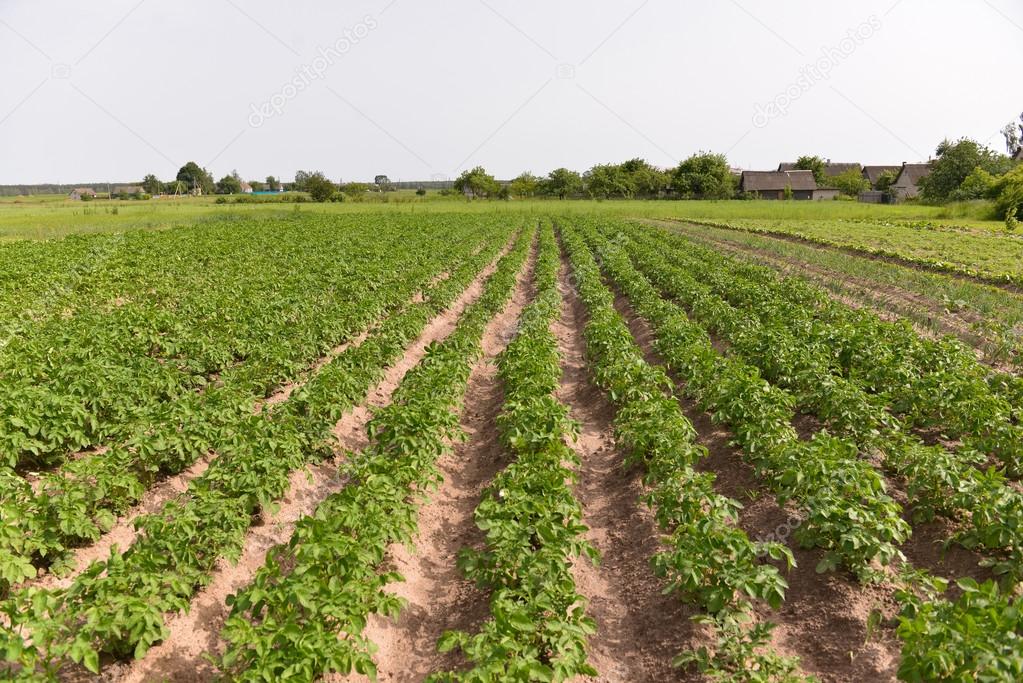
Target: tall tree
152,185
477,183
1013,133
526,185
562,183
196,178
704,175
955,162
272,183
815,164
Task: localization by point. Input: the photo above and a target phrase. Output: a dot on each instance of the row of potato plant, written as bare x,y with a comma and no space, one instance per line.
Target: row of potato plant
973,637
707,561
79,501
538,626
843,501
930,383
118,606
937,480
304,613
164,314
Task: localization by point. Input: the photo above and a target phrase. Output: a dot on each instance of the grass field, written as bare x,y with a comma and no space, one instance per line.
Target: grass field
452,441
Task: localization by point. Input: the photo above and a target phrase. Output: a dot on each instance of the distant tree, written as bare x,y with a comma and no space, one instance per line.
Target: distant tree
504,193
850,182
787,193
477,183
257,186
1013,133
196,178
704,175
644,179
383,183
420,191
1008,193
608,181
320,188
526,185
355,191
978,185
886,180
815,164
956,161
229,184
272,184
152,185
561,183
301,177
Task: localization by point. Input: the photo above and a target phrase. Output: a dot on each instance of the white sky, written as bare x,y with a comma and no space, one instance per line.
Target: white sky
115,89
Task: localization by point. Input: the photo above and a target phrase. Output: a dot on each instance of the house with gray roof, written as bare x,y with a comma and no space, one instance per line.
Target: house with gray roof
872,174
772,184
830,169
907,185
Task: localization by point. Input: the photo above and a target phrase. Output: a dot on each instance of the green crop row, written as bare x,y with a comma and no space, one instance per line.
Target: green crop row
533,524
929,383
78,502
844,503
118,606
304,613
708,561
937,481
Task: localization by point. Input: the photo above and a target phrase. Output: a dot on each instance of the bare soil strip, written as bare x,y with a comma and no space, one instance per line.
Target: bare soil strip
195,633
823,620
439,596
639,630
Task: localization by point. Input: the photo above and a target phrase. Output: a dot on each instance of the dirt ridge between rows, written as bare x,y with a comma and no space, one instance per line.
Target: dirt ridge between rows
439,596
181,657
639,629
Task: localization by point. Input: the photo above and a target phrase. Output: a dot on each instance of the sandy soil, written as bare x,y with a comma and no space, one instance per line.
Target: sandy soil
639,630
182,656
439,596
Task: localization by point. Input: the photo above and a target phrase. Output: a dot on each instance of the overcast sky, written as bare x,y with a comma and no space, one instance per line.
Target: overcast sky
116,89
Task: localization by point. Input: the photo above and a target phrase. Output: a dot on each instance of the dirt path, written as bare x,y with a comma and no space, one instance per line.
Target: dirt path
639,630
823,620
192,634
439,597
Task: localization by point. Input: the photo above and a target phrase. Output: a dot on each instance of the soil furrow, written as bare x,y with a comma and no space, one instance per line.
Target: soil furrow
439,596
639,629
182,656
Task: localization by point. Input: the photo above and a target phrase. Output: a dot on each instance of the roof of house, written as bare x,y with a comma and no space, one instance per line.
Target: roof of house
768,181
245,186
873,173
830,169
912,174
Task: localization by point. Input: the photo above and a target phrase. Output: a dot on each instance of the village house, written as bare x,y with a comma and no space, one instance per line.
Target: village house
773,184
246,188
80,192
830,169
907,185
872,174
